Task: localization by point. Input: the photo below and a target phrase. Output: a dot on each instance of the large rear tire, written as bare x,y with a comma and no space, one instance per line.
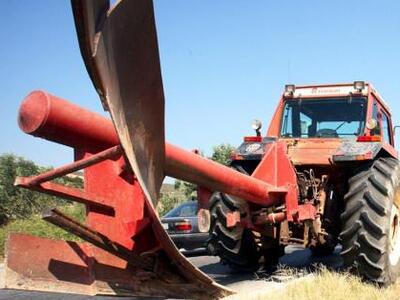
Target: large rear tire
370,231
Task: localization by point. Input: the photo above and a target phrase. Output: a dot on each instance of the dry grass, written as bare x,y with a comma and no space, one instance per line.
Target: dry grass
325,284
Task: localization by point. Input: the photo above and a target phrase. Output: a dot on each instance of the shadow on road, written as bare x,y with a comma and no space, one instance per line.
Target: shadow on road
299,260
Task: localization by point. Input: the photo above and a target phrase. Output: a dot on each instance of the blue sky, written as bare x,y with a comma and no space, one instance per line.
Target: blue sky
223,62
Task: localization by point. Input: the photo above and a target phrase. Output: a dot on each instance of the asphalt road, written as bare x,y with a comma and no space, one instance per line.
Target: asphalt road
297,258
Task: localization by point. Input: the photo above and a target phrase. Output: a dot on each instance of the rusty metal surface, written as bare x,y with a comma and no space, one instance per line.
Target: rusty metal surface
352,150
112,153
89,16
70,267
94,237
119,46
124,63
312,151
133,224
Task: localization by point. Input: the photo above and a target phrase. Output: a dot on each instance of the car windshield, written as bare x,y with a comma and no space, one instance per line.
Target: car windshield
339,117
187,209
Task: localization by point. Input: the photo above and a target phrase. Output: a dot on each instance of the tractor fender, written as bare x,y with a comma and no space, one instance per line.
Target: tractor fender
356,151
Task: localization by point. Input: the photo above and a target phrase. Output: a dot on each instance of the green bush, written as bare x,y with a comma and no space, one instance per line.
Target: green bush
221,154
19,203
168,202
38,227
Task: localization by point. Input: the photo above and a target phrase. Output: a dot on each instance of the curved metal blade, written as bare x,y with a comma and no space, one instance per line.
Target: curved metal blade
120,50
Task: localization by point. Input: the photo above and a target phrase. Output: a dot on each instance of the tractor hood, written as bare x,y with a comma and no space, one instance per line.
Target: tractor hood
329,151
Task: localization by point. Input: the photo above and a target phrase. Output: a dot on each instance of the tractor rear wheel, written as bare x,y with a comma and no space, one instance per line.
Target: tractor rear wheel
370,231
236,246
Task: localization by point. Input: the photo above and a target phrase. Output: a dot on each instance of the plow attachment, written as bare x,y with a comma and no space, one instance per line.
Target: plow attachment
125,250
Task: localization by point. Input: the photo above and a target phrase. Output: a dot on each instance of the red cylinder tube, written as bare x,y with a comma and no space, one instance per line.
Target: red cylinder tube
54,119
49,117
271,218
191,167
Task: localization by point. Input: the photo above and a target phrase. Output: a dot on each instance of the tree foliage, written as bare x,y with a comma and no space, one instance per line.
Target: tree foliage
168,202
16,203
221,154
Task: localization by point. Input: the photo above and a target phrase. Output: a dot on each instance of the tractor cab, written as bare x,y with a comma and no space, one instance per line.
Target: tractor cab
347,111
325,124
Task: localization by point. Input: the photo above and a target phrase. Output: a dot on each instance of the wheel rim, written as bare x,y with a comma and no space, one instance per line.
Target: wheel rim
394,236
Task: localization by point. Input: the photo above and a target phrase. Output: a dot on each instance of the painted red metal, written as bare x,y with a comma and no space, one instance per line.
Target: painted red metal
306,211
252,139
42,264
112,153
96,238
96,202
307,151
133,225
276,168
232,218
190,167
271,218
62,116
312,151
46,116
109,186
203,197
369,138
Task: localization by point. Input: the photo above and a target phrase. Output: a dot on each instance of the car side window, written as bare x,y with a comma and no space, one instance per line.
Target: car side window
188,211
386,128
375,115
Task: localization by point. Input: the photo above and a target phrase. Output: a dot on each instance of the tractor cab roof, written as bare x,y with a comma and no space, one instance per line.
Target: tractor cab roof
357,88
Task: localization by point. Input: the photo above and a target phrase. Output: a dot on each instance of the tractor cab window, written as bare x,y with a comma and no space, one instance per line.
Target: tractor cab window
318,118
375,115
187,209
386,128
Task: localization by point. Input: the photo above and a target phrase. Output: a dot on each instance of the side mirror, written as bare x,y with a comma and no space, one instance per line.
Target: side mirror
394,129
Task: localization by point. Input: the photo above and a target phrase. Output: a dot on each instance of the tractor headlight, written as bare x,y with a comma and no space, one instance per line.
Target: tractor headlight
371,124
290,89
256,124
359,85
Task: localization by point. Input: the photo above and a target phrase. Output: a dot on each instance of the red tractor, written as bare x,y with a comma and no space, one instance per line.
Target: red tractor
339,141
326,172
